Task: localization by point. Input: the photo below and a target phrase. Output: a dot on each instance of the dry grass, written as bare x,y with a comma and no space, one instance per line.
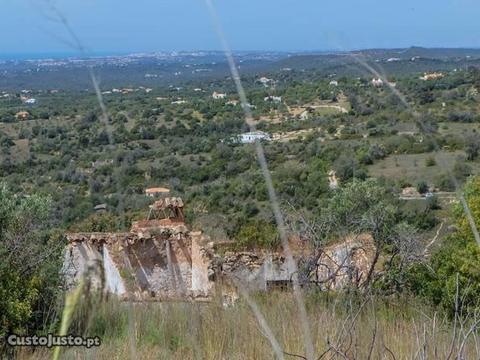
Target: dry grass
347,328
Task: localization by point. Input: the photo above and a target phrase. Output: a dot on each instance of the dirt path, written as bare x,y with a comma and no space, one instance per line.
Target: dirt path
336,107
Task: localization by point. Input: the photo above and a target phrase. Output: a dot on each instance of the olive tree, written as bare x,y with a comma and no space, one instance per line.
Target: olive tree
360,207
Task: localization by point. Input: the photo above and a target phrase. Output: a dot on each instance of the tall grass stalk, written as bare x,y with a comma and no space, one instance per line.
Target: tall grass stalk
71,300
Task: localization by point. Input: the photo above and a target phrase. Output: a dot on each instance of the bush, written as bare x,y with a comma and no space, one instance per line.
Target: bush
430,161
461,170
445,183
257,234
422,187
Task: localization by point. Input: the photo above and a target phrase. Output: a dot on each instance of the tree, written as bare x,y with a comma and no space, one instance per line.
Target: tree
405,250
472,146
357,208
257,234
346,167
103,222
454,267
30,260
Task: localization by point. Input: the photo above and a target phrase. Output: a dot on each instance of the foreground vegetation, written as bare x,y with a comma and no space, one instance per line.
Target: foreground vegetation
426,305
342,327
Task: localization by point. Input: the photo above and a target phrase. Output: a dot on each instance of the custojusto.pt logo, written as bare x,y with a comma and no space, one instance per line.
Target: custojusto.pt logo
50,340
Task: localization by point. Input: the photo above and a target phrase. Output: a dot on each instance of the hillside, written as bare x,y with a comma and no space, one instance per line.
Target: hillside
367,171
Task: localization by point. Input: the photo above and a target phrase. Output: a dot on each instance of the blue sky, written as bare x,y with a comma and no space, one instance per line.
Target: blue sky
156,25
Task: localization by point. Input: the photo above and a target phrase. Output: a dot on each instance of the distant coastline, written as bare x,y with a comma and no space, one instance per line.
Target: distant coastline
55,55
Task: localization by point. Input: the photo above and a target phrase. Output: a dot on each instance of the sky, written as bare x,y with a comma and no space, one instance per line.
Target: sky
123,26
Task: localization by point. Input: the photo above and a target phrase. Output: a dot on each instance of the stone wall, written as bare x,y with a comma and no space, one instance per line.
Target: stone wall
255,270
345,263
148,263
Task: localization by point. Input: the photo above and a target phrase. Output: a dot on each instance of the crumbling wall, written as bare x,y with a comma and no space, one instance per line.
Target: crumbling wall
83,259
114,282
256,270
201,259
87,255
346,263
338,266
162,266
152,261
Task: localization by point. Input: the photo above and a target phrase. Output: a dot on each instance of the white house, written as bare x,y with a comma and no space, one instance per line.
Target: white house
377,82
333,83
275,99
30,101
265,81
432,76
250,137
178,102
218,96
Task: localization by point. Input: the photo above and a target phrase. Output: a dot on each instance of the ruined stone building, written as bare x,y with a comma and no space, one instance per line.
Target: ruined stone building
160,258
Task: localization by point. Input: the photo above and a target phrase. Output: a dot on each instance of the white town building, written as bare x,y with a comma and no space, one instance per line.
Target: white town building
377,82
218,96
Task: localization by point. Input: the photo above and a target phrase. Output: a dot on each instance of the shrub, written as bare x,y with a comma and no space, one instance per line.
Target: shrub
430,161
257,234
455,265
422,187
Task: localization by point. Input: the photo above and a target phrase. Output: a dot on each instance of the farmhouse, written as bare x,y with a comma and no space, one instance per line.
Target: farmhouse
179,102
161,259
275,99
265,81
218,96
251,137
431,76
377,82
22,115
27,100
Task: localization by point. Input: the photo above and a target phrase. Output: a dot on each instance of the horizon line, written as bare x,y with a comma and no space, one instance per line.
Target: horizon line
44,55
